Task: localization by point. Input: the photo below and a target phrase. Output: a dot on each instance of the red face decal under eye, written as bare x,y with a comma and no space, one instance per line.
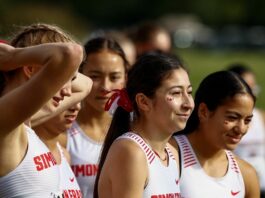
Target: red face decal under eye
169,98
226,122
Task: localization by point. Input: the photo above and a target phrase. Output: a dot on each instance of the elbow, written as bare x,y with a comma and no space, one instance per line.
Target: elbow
72,55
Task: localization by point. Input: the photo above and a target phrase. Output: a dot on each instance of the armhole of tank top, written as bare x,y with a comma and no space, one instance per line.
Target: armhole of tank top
179,156
180,163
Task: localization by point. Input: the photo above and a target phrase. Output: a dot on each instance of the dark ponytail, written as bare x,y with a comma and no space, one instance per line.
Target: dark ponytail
146,76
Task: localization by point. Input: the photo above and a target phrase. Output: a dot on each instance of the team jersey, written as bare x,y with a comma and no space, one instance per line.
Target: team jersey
68,182
252,146
195,183
36,176
85,154
163,181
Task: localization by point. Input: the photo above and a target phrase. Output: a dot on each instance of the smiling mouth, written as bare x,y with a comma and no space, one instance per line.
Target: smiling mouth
234,139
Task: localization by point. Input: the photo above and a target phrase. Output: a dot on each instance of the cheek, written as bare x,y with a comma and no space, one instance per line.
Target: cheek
172,102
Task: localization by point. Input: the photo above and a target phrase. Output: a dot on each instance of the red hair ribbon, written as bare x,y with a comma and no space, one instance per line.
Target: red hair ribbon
3,41
119,98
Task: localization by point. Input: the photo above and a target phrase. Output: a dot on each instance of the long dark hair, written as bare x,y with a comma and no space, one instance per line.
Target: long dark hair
145,77
214,91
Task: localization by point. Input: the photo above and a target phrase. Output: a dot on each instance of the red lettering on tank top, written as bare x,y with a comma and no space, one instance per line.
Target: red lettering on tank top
169,195
85,169
70,193
44,161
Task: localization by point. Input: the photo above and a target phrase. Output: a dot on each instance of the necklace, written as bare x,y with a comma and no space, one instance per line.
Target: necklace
165,158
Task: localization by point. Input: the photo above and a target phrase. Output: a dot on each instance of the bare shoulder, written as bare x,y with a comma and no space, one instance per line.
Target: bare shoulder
125,169
250,178
126,150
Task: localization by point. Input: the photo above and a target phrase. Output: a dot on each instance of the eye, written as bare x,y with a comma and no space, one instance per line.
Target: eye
94,77
248,120
115,78
231,118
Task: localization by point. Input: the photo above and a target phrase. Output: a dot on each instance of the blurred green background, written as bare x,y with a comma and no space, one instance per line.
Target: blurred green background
222,21
202,62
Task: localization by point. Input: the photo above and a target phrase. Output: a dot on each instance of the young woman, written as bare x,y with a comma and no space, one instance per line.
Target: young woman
136,160
49,132
30,76
106,66
221,117
252,147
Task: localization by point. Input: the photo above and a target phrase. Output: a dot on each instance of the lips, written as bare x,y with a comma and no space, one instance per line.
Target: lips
70,118
184,116
56,100
234,139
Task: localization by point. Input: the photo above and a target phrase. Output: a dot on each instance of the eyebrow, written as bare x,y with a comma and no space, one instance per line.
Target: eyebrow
99,72
178,86
237,114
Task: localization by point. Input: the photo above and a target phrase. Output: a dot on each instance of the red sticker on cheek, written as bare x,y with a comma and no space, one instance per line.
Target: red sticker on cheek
169,98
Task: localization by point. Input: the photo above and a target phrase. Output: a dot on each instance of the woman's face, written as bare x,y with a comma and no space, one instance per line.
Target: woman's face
62,122
173,102
225,126
107,71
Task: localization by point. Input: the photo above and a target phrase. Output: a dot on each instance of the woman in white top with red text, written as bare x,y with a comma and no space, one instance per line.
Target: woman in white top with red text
31,74
136,160
221,117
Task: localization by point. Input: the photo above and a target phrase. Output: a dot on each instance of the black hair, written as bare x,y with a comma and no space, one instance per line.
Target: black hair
146,76
98,44
214,91
239,68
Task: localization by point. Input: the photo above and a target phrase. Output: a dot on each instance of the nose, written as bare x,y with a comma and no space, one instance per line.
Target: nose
76,107
66,91
241,127
188,102
105,86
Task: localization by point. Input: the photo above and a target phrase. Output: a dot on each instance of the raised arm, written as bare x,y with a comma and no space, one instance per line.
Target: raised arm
81,86
58,62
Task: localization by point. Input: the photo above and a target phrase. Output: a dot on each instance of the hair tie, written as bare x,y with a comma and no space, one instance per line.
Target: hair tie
118,98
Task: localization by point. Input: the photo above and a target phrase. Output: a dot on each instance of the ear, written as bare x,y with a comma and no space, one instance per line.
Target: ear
28,71
143,102
203,111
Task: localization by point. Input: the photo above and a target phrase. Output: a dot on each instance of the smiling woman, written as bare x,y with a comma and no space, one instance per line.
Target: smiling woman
106,65
222,114
135,152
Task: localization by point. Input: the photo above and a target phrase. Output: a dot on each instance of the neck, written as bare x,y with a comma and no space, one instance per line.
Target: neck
204,149
95,124
49,138
155,138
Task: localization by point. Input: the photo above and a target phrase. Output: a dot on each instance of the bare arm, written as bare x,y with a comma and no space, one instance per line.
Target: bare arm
125,171
81,87
58,61
250,177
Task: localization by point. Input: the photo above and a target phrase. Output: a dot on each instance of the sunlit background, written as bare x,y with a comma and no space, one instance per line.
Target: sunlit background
208,34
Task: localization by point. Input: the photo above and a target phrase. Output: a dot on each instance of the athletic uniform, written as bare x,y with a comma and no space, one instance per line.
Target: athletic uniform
195,183
163,181
252,146
36,176
85,154
68,182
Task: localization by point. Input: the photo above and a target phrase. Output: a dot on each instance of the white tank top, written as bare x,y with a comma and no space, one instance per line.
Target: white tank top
163,181
195,183
68,182
252,146
85,154
36,176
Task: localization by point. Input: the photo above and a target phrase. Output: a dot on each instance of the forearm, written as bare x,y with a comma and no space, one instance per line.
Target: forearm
81,87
